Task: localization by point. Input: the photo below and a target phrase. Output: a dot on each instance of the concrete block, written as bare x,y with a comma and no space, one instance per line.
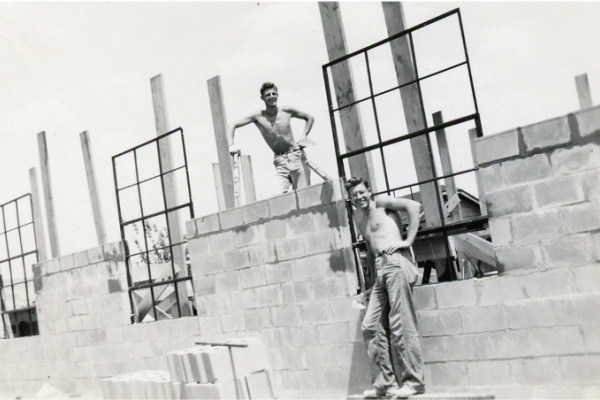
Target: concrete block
546,134
302,292
488,291
278,273
316,312
310,267
269,296
537,226
529,313
557,340
512,288
80,259
210,325
207,224
287,249
576,159
316,195
588,121
227,282
433,348
262,253
199,246
196,372
79,307
462,348
591,337
449,374
175,363
276,337
586,278
482,319
569,250
304,335
260,385
508,344
274,229
510,201
253,277
582,217
232,218
66,262
591,184
190,229
231,389
536,371
252,319
497,147
580,369
221,242
548,283
489,373
334,334
319,242
320,357
205,284
217,362
300,224
282,205
456,294
491,178
571,191
530,169
250,359
246,235
424,298
256,211
515,258
236,259
265,318
95,255
114,251
442,322
286,315
501,231
243,300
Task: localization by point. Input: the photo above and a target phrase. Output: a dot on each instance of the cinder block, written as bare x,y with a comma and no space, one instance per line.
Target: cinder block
205,284
250,359
550,283
262,253
576,159
501,231
282,205
534,227
231,389
591,184
571,191
95,255
512,288
221,242
586,278
276,337
80,259
537,371
316,312
588,121
113,251
269,296
343,311
489,373
256,211
300,224
508,344
253,277
569,250
497,147
424,298
227,282
580,369
66,262
304,335
210,325
316,195
456,294
442,322
449,374
530,169
176,368
243,300
582,217
235,259
557,340
463,347
286,315
513,258
513,200
310,267
199,246
260,386
591,336
287,249
207,224
546,134
190,229
246,235
196,372
278,273
318,242
433,348
491,178
233,322
218,365
488,291
274,229
320,357
529,313
482,319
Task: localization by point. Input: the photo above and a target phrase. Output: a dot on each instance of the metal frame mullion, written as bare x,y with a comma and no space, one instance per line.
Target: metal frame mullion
464,41
23,261
336,143
12,286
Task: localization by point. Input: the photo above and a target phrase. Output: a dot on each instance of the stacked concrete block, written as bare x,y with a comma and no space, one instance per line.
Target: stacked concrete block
146,384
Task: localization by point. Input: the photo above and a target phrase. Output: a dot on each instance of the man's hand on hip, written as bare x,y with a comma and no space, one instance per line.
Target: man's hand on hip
403,244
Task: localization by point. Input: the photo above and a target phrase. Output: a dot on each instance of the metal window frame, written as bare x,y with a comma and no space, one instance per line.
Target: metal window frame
166,211
31,304
445,229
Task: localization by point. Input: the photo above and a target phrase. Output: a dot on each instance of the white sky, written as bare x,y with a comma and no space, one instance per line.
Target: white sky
71,67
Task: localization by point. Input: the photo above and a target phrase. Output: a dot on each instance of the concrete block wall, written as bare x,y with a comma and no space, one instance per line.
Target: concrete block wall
282,270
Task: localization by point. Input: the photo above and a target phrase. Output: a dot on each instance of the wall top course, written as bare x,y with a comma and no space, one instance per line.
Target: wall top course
108,252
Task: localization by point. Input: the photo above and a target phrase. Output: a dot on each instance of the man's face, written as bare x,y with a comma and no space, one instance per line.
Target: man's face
270,96
360,196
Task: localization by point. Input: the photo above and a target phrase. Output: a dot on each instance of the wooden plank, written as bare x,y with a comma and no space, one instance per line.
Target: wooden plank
413,112
93,187
165,153
48,197
38,220
482,205
583,91
442,142
217,109
248,178
476,247
343,82
219,187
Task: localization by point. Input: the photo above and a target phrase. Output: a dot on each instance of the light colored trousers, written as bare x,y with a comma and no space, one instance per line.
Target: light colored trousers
391,318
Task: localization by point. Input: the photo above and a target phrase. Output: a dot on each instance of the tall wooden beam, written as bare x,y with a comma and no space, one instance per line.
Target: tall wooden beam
38,220
583,91
219,187
217,108
442,142
248,178
343,82
472,137
93,187
413,111
48,197
165,153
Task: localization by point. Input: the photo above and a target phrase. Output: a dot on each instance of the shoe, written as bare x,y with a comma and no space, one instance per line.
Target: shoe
373,394
406,391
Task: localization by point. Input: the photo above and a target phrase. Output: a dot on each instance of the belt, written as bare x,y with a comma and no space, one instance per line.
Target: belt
288,152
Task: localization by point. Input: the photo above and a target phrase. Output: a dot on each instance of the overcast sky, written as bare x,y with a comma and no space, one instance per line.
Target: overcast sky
72,67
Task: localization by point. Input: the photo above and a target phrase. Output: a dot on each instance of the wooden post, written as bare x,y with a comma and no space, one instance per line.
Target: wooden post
583,91
442,142
219,187
413,112
343,82
248,178
217,108
175,231
93,187
38,221
472,137
48,198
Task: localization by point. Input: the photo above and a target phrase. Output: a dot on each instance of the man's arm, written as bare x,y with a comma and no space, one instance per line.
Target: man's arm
310,120
231,131
412,208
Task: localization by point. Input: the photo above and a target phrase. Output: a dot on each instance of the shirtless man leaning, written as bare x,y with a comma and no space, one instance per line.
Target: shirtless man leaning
274,124
390,317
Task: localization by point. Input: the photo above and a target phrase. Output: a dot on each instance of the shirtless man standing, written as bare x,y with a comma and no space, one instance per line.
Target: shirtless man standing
390,317
274,124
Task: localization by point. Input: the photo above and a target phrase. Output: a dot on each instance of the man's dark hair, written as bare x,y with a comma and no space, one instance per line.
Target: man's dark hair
355,181
267,85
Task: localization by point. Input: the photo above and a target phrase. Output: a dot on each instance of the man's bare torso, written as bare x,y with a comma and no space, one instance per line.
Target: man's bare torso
276,130
381,229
